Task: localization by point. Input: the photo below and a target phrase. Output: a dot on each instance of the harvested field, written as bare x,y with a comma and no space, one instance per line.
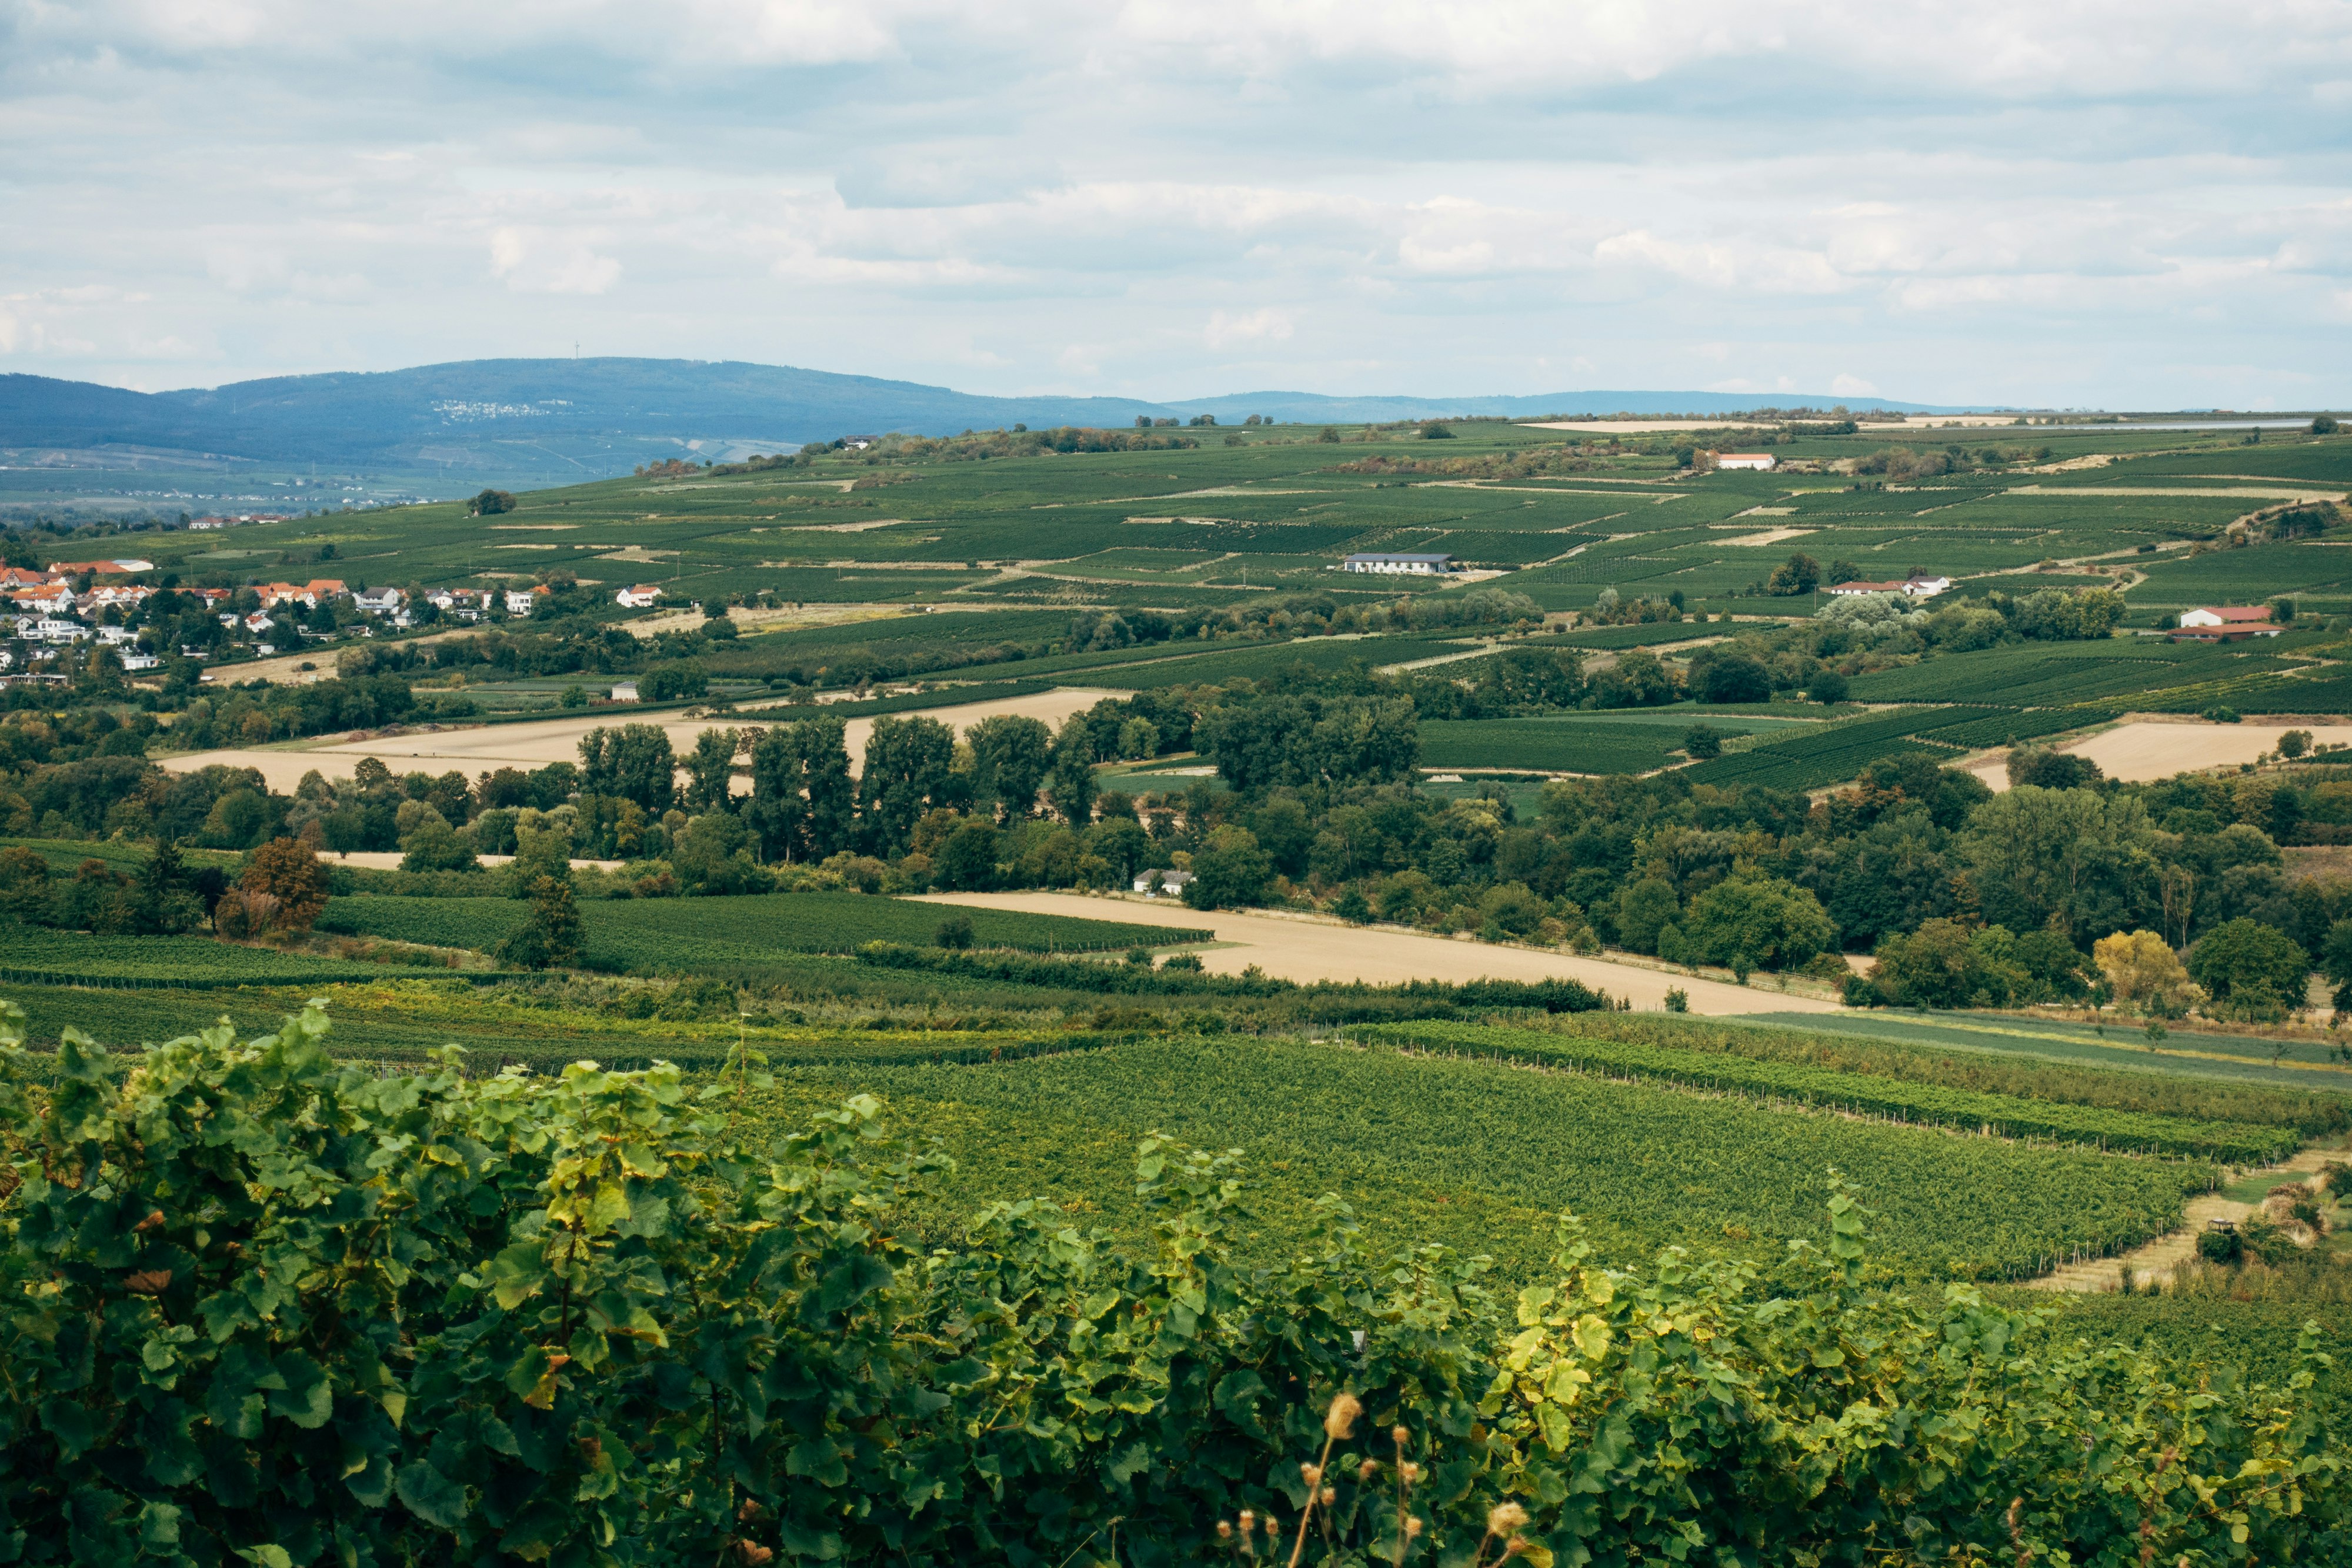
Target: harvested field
540,742
2145,750
1311,950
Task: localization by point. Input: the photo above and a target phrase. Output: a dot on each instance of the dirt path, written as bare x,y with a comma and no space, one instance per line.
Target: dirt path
1307,949
2159,1259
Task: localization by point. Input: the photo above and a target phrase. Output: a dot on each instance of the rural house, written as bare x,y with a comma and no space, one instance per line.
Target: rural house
1759,462
639,597
1422,566
2227,623
1909,587
1155,884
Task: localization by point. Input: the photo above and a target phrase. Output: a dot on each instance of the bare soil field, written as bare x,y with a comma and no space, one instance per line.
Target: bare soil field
483,749
389,860
1308,950
682,618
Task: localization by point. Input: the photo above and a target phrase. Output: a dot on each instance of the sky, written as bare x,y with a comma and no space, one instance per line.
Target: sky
2082,205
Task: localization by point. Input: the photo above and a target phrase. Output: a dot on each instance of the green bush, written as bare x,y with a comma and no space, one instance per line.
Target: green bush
273,1309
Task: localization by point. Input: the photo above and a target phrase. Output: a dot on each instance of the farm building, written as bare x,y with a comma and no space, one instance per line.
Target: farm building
2227,623
1759,462
1155,884
638,596
98,568
1384,561
1909,587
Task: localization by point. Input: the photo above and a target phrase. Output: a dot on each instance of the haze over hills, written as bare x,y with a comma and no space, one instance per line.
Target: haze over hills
542,421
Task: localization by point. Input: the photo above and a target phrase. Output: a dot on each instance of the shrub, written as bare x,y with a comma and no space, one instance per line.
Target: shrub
953,934
288,872
2220,1246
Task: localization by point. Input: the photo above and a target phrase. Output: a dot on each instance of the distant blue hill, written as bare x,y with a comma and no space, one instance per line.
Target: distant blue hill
542,421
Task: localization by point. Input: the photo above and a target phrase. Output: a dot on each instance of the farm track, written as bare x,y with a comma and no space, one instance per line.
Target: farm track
2159,1258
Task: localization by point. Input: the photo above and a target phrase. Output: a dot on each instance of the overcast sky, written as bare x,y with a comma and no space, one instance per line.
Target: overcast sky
2143,204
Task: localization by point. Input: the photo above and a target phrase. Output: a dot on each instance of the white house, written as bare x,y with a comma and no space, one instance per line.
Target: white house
48,599
378,601
520,600
1411,564
624,691
1909,587
2218,623
1761,461
115,637
46,630
638,596
1158,884
132,660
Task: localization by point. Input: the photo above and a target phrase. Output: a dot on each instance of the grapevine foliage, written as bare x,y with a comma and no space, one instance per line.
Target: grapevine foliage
267,1307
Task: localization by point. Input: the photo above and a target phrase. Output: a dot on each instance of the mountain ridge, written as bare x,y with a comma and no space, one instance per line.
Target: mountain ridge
545,420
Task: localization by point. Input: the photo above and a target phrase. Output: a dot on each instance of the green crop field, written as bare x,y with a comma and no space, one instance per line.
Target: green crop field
666,936
2003,1115
1482,1155
35,955
1140,528
1628,742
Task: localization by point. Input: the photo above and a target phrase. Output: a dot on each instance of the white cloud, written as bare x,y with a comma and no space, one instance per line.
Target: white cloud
1846,385
1226,330
2098,203
537,264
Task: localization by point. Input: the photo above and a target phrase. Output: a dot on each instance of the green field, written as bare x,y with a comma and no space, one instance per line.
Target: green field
1481,1155
2001,1115
1277,510
35,955
1630,742
666,936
